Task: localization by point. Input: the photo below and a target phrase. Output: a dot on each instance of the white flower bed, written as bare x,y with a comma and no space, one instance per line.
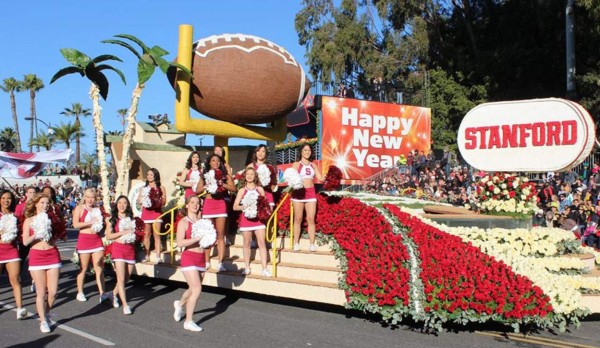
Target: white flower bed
533,254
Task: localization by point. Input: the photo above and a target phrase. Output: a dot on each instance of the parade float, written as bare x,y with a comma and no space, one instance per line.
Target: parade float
378,256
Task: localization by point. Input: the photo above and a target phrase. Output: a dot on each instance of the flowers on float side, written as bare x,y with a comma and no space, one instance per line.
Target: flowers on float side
505,193
179,189
293,179
510,247
205,230
249,204
126,224
460,281
8,227
41,226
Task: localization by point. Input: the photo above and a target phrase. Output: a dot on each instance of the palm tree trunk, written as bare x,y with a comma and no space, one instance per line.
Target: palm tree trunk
13,108
33,117
77,139
122,185
96,114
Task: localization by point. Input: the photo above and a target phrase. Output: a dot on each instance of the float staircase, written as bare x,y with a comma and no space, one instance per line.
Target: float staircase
301,275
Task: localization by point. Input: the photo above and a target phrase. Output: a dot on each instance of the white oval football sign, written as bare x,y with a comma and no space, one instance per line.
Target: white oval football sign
537,135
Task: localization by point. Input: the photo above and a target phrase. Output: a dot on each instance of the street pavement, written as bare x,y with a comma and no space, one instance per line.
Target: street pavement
232,319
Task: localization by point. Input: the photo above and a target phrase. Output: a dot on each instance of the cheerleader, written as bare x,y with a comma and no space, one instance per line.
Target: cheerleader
55,213
152,201
120,228
191,174
215,206
306,199
44,258
9,255
220,151
89,220
259,158
247,225
192,265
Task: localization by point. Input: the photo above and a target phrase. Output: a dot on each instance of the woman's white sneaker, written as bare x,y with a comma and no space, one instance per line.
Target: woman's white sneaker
44,328
191,326
178,314
297,247
21,313
312,248
81,297
126,310
116,303
267,273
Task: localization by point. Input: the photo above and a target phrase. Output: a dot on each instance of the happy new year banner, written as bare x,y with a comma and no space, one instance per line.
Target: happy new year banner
364,137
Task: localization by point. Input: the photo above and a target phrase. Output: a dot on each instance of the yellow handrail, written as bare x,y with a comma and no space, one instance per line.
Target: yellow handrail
169,227
272,227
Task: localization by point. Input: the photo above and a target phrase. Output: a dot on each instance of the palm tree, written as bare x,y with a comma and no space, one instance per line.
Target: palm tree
10,85
77,110
83,65
116,133
88,162
122,113
8,139
148,60
66,133
33,84
44,140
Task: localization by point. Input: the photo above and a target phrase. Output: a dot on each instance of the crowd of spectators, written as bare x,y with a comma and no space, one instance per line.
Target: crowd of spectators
569,200
68,194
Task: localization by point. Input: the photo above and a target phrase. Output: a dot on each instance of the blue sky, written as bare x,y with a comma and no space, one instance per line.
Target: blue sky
35,31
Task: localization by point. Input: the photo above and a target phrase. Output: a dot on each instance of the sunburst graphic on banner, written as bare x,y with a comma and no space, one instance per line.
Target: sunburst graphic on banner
363,137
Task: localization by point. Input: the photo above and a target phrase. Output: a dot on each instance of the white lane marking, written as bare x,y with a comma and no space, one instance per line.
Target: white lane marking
66,328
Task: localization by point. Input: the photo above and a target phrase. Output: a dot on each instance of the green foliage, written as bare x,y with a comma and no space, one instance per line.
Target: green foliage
43,140
148,58
88,67
66,133
451,55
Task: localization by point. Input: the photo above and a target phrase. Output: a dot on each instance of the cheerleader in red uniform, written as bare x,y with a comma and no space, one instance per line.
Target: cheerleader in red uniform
306,199
260,157
44,258
9,255
59,225
89,220
152,199
215,206
193,264
191,174
249,225
120,228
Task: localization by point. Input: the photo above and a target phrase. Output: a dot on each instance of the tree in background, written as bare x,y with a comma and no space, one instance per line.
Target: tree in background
66,133
122,113
45,140
8,139
10,85
148,60
33,84
92,69
77,110
449,55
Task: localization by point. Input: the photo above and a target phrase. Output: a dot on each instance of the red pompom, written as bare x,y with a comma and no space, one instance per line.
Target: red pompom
263,209
333,179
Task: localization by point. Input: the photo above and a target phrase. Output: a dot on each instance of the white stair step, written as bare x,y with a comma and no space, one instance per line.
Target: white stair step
304,242
301,271
282,287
